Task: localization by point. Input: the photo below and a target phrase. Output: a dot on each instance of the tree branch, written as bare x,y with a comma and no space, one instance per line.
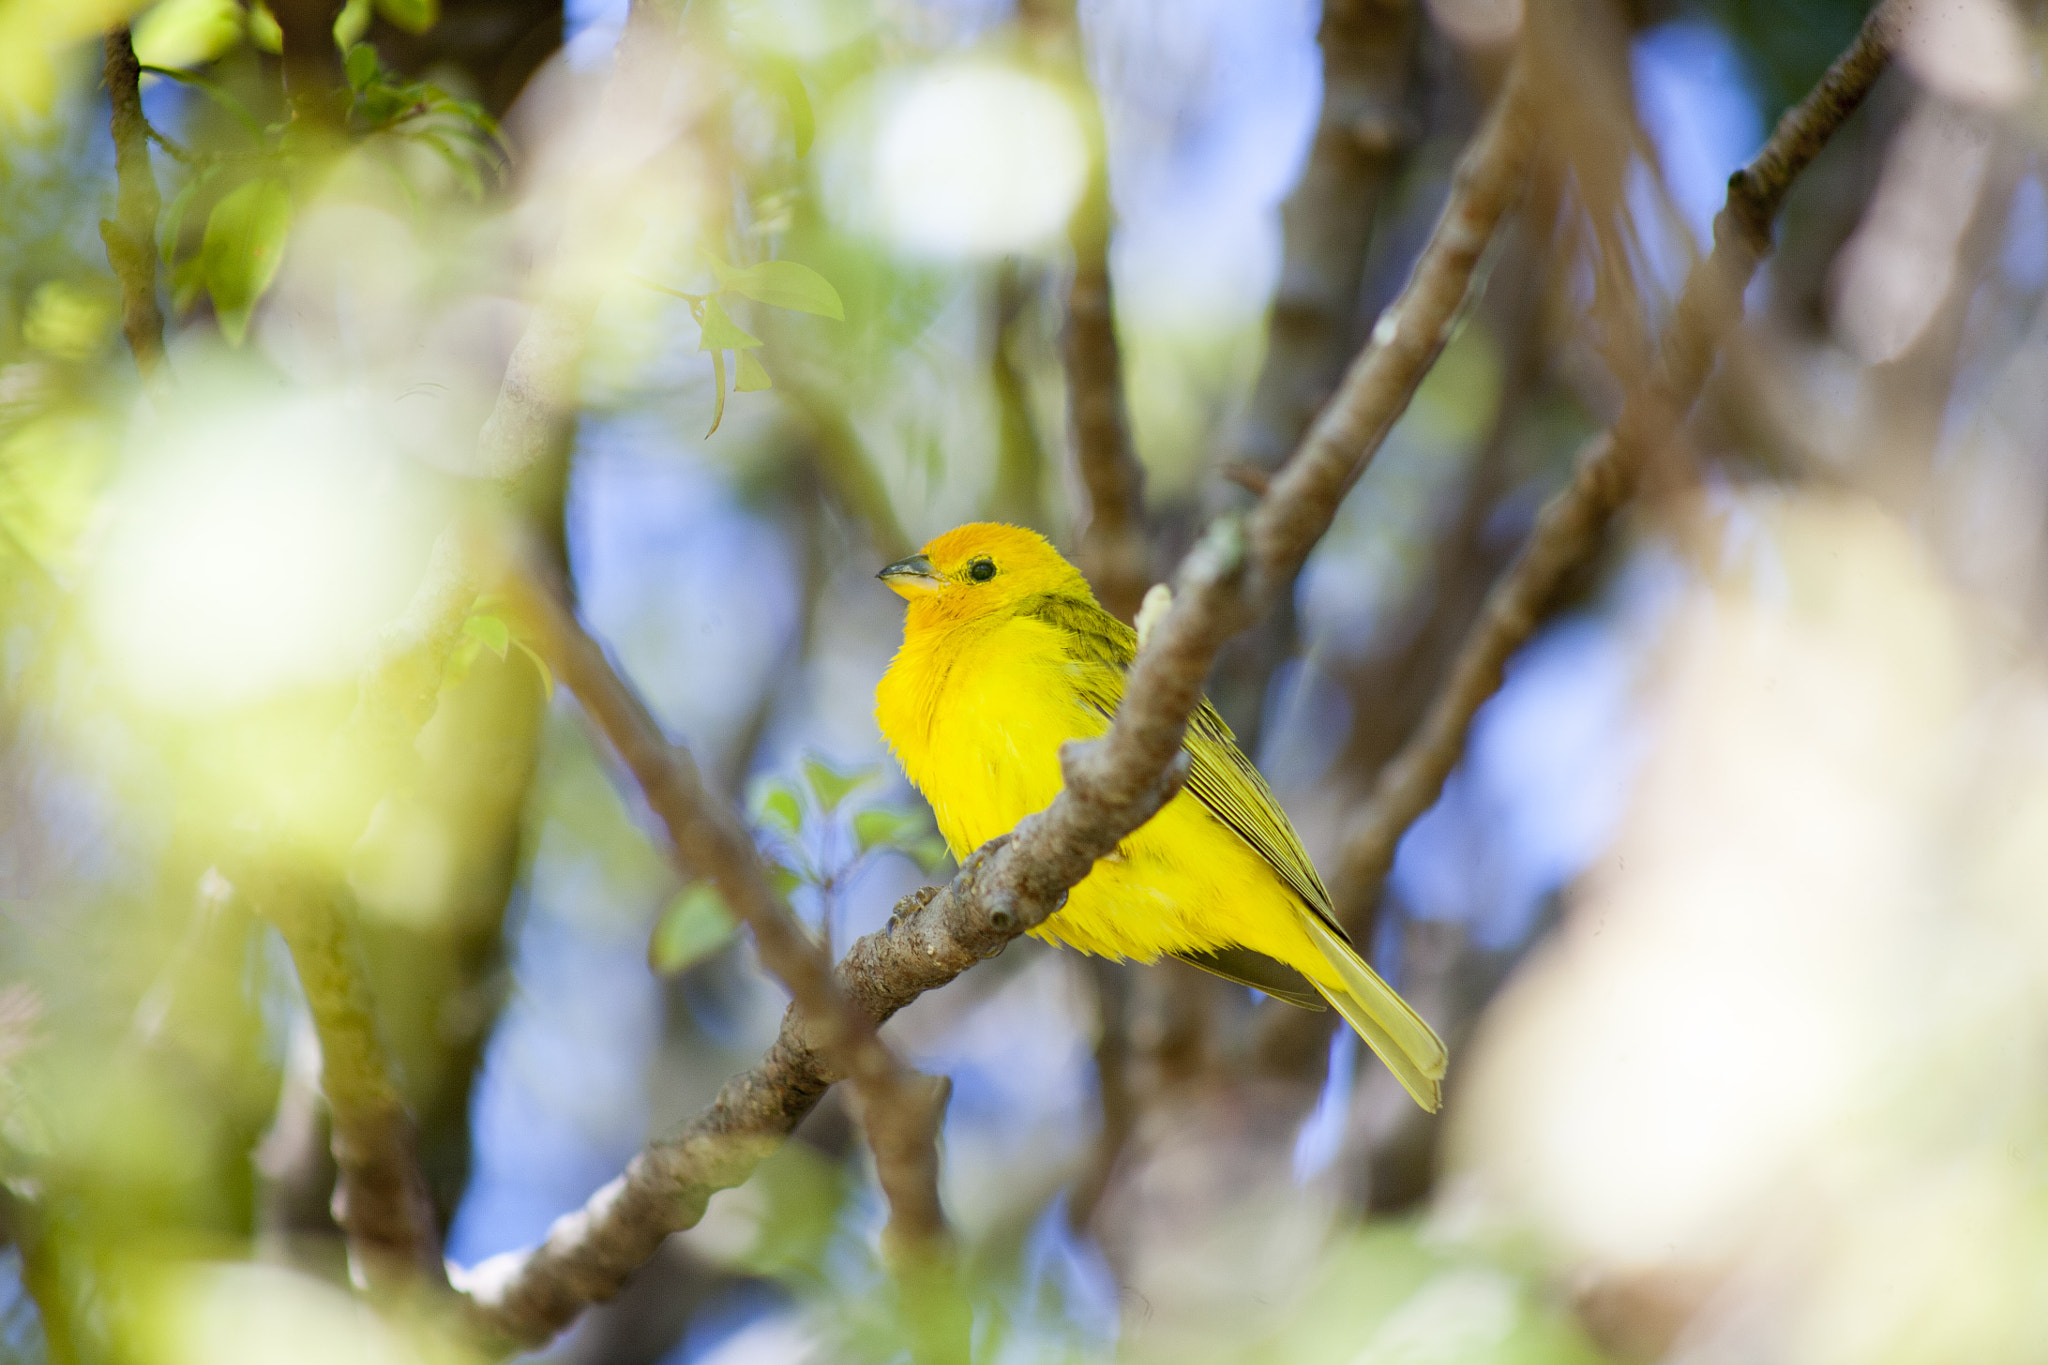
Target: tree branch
1113,550
381,1198
1569,529
1014,882
900,1112
130,234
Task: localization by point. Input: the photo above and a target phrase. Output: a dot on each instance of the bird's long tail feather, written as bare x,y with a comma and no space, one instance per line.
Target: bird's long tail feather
1401,1037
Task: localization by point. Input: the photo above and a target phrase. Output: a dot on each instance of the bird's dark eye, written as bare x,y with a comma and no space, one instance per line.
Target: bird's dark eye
981,570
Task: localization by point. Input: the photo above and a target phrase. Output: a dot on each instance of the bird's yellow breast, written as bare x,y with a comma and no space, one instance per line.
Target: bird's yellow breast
976,714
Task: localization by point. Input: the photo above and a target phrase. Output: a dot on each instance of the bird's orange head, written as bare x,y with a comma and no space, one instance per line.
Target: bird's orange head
980,570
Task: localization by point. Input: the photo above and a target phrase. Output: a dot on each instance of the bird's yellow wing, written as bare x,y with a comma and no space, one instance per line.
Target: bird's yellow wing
1100,649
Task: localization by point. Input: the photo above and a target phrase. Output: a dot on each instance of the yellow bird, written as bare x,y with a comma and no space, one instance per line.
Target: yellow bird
1006,656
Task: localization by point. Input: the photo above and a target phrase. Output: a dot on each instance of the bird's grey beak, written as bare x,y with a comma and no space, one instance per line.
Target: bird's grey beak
912,576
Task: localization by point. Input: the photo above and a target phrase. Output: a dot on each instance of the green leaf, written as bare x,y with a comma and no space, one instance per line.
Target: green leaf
489,631
349,26
780,75
264,33
783,879
777,805
187,32
695,925
886,827
172,229
830,785
717,383
414,16
361,65
721,333
783,284
243,247
752,378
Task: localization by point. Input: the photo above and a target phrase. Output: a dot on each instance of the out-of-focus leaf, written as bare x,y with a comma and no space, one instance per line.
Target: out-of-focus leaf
830,785
780,75
351,24
721,333
361,65
782,284
489,631
717,383
695,925
187,32
264,33
751,376
886,826
777,805
243,247
930,853
799,1194
414,16
173,225
783,879
67,320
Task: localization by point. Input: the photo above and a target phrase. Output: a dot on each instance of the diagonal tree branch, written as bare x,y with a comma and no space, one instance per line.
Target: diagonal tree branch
130,234
1015,882
1569,529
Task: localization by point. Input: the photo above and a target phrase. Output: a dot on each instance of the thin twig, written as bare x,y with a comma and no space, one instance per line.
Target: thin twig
1569,529
130,234
1015,882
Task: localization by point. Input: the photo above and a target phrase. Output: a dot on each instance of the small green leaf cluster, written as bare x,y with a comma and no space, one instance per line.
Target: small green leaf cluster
778,284
815,836
248,187
487,629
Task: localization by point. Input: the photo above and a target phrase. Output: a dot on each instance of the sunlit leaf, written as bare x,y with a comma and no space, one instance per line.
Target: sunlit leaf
830,785
491,632
886,826
243,247
414,16
782,284
721,333
187,32
695,925
266,36
751,376
777,805
350,25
